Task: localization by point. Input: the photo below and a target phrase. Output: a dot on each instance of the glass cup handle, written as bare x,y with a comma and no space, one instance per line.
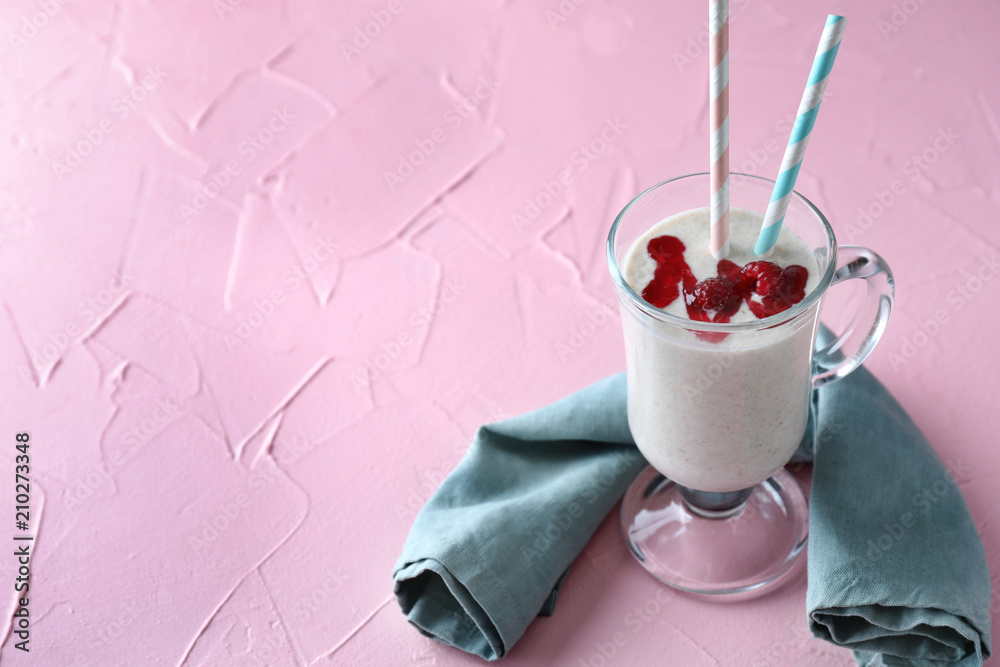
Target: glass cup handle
837,360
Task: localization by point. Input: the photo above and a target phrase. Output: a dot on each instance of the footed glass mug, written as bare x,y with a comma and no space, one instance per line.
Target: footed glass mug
719,416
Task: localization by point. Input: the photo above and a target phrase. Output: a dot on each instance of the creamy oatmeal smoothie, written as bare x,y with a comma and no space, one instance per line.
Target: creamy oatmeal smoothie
715,411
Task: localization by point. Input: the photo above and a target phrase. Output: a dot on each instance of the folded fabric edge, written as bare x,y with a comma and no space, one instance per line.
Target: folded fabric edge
968,644
549,607
427,593
869,659
869,610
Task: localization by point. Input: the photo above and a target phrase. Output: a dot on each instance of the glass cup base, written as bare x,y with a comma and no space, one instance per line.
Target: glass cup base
742,554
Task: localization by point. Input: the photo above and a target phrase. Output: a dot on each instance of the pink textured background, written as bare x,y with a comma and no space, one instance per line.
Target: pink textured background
179,369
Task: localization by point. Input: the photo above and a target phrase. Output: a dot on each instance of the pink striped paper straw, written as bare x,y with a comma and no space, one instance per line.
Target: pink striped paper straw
718,55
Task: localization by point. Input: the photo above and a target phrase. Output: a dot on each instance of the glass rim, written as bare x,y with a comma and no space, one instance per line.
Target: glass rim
636,299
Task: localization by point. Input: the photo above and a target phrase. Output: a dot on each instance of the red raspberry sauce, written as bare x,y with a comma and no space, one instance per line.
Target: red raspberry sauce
718,298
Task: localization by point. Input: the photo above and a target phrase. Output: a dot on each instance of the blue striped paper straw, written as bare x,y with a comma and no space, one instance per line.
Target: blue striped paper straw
829,44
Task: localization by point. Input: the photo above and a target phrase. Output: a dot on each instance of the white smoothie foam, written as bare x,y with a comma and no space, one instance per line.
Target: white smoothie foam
717,415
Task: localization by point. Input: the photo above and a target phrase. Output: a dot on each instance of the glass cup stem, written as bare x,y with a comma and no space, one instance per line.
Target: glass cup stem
715,505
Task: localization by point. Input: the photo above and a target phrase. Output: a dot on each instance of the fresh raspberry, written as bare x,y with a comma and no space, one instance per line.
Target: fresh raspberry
795,282
734,273
730,270
792,291
715,294
764,278
713,300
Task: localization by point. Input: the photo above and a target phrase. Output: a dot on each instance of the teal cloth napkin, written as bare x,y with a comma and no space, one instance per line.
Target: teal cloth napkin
896,569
